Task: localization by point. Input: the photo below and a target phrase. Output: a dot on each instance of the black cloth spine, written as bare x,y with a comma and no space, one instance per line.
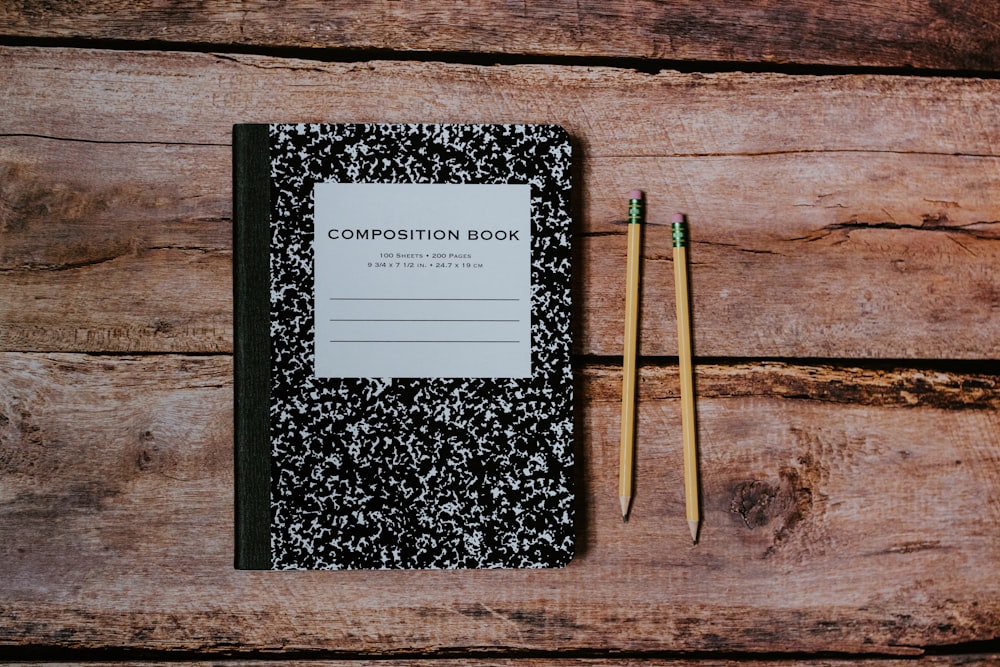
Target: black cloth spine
251,295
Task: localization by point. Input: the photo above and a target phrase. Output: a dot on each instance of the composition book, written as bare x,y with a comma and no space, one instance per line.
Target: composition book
404,394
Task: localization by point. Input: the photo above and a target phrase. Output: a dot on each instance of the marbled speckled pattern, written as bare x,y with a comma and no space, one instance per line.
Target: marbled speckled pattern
420,473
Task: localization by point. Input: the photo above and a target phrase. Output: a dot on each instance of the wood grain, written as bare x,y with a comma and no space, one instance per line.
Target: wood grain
969,660
848,216
846,510
884,33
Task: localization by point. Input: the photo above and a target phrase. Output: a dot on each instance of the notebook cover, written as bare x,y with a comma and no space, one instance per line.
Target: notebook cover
404,393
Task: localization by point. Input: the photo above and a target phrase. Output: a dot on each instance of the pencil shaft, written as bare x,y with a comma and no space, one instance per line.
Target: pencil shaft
688,427
626,461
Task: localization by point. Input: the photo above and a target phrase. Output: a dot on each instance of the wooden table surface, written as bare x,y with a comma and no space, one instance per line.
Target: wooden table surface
840,167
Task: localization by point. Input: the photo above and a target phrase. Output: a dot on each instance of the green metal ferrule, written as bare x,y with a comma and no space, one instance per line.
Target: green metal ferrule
679,234
634,211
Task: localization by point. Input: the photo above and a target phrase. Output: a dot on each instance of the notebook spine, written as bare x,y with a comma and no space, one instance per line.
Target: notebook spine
251,298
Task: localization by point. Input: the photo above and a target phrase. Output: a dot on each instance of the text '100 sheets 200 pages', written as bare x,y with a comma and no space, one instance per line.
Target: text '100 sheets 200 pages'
404,393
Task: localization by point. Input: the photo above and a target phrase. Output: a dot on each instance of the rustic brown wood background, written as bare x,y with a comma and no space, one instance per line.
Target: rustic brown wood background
840,167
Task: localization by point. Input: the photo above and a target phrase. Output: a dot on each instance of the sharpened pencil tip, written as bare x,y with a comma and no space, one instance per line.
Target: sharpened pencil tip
625,500
693,525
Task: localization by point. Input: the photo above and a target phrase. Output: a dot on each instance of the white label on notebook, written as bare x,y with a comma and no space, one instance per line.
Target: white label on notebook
422,280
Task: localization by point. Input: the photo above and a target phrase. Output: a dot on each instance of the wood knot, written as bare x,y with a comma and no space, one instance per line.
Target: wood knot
148,458
784,503
751,500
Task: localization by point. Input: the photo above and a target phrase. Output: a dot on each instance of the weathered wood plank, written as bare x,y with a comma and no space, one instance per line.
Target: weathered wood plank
157,97
925,33
114,247
845,510
971,660
831,216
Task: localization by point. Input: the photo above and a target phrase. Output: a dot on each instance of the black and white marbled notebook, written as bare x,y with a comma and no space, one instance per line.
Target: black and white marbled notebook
404,393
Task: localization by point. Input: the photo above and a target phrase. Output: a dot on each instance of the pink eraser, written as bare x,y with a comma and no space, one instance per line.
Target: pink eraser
678,217
635,194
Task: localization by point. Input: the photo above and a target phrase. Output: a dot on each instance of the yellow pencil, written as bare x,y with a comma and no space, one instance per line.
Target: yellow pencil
688,427
633,257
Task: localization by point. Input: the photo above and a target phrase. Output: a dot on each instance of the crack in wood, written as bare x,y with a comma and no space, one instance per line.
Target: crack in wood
794,151
929,223
120,142
29,267
63,266
905,388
